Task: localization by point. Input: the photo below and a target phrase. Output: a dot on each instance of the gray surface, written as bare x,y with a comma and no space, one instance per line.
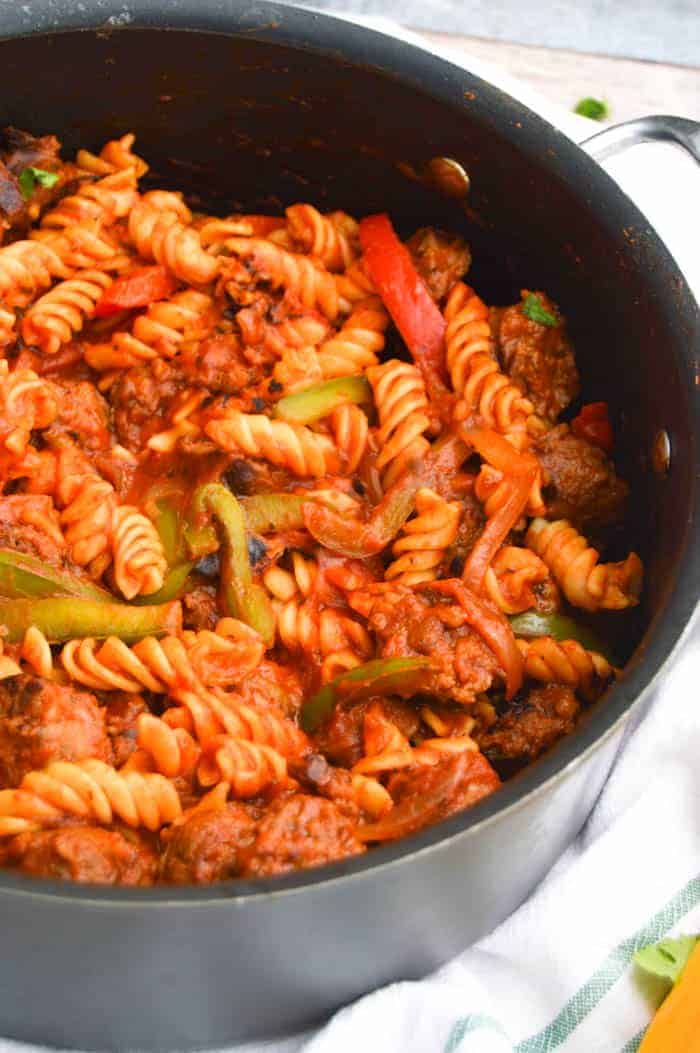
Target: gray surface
666,31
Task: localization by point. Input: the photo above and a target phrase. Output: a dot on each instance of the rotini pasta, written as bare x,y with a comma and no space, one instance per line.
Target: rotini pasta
88,789
56,316
247,767
278,492
103,202
474,371
563,661
292,446
158,227
586,582
114,156
332,238
402,404
139,560
308,282
421,548
511,577
354,348
159,332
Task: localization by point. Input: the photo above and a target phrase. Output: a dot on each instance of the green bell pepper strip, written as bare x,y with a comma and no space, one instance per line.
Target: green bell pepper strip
381,676
25,577
242,597
65,618
169,526
262,514
174,586
314,403
266,512
560,627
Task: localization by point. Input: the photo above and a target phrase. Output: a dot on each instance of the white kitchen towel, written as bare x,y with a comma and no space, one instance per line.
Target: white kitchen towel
556,977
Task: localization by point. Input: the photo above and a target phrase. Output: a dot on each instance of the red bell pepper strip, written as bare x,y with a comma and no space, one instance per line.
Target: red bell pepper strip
521,470
491,625
593,425
348,538
138,289
406,298
345,536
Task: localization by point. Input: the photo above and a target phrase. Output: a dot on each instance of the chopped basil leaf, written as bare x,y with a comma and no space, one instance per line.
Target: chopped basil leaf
668,958
533,308
596,109
32,177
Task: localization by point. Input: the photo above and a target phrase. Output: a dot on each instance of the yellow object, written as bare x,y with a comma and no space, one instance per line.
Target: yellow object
676,1026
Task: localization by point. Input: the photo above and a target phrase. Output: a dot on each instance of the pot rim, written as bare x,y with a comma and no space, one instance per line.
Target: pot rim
446,82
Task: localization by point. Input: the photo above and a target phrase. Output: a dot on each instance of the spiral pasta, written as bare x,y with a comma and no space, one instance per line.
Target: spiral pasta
350,429
574,564
420,549
307,331
36,652
402,403
292,446
26,402
87,520
332,238
218,712
493,487
59,314
338,640
353,286
308,282
90,790
82,246
25,398
474,371
139,560
247,767
563,661
387,749
103,202
27,267
511,577
158,227
159,332
354,348
114,156
170,751
371,796
297,369
164,665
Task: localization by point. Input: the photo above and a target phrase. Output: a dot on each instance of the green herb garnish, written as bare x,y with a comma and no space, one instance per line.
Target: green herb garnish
667,959
596,109
534,309
32,177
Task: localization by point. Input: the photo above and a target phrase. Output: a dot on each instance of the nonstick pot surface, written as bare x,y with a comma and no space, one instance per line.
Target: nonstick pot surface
294,106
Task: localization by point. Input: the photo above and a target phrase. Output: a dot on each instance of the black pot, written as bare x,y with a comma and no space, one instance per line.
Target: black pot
261,104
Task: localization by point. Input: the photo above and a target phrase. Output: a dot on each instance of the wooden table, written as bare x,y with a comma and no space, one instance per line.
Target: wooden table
630,87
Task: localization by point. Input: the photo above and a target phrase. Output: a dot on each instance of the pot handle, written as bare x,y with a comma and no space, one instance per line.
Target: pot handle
619,137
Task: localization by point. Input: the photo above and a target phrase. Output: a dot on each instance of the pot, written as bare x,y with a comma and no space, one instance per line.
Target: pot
257,105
